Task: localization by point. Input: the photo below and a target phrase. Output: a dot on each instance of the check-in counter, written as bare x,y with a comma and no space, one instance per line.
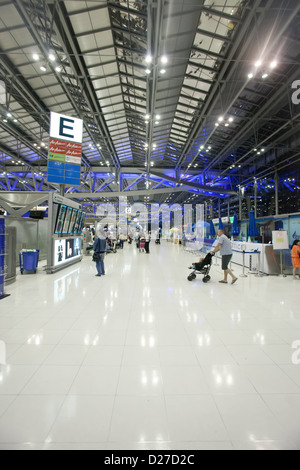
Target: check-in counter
258,257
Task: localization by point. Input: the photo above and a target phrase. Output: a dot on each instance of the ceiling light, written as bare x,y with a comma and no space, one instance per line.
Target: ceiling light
217,124
163,71
36,57
157,117
164,59
58,69
148,71
230,119
51,57
250,75
43,68
273,64
148,59
265,75
258,63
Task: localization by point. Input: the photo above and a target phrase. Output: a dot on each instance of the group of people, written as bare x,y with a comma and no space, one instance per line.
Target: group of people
142,240
223,246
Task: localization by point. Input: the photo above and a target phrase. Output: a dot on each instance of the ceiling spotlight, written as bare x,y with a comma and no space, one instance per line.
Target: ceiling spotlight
51,57
265,75
157,117
163,71
217,124
58,69
148,59
250,75
258,63
43,68
164,59
230,119
148,71
221,119
273,64
36,57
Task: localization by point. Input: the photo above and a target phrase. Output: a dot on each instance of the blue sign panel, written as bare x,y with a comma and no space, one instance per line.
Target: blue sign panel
64,156
2,250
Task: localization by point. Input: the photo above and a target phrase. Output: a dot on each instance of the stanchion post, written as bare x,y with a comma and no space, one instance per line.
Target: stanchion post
281,266
243,275
259,273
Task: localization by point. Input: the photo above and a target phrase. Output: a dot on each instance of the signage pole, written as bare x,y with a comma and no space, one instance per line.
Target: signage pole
62,189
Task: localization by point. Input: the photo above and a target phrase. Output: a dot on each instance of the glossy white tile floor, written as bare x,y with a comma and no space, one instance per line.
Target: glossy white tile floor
144,359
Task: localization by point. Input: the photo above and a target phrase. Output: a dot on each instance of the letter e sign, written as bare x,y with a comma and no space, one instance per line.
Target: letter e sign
65,128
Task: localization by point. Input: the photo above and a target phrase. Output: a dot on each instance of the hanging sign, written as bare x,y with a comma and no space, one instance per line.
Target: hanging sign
65,150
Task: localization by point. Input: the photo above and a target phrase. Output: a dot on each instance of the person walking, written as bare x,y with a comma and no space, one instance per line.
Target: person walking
99,253
147,242
225,249
295,253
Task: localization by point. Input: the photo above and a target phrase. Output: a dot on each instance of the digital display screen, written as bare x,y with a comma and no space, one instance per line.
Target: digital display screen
67,220
82,222
60,218
77,224
73,220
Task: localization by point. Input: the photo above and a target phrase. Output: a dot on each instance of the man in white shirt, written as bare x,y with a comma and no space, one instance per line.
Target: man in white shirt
225,249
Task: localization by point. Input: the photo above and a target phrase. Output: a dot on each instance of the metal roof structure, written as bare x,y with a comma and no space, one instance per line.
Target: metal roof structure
182,100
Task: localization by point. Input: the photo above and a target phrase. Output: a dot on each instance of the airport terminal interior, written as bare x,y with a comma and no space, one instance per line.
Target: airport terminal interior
158,131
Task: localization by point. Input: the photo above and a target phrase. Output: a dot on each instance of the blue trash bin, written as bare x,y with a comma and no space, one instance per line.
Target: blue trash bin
29,261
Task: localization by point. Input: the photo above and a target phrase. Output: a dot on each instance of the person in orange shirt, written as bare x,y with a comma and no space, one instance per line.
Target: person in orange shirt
296,257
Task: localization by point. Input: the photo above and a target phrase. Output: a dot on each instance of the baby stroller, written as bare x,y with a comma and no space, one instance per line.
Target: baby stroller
202,268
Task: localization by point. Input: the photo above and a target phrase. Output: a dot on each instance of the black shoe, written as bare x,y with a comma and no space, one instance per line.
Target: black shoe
98,275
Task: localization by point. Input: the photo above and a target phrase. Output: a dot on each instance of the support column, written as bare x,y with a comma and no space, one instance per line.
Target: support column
62,188
276,193
255,198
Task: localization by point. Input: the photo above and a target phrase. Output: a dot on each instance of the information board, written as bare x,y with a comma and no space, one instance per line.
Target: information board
65,150
280,240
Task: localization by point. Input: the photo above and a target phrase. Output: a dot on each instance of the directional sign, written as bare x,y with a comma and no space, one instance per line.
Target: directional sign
65,150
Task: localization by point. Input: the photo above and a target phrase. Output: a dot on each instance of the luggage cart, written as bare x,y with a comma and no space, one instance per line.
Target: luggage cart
29,260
